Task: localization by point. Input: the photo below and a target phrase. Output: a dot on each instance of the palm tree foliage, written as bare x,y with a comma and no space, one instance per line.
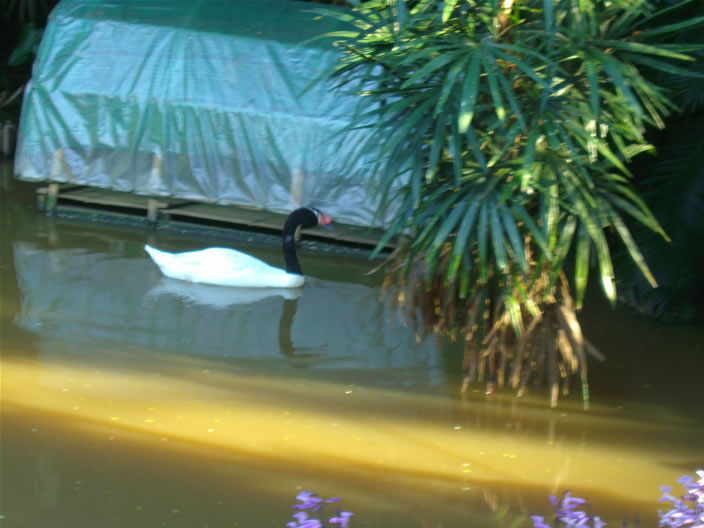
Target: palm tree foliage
504,132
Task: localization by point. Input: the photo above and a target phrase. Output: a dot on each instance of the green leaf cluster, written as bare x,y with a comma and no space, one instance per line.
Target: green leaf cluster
504,132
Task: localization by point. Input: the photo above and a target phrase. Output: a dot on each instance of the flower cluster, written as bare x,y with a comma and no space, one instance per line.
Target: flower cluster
313,503
682,514
687,511
566,513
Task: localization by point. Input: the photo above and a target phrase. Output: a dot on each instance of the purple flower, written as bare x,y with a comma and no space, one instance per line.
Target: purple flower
666,495
343,519
568,515
565,510
569,502
310,501
302,521
682,514
539,522
696,490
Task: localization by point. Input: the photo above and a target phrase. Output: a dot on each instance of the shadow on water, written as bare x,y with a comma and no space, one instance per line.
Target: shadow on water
129,399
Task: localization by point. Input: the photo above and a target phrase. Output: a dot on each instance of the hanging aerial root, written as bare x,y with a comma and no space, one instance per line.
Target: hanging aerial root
549,349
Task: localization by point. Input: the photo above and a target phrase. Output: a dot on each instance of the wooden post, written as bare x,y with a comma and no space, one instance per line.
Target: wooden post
296,196
296,188
153,185
52,193
155,174
152,210
57,164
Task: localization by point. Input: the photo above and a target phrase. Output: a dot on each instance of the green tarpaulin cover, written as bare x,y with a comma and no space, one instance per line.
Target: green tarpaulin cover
198,99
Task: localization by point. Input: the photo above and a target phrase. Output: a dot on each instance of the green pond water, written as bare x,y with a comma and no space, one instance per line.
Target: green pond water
129,400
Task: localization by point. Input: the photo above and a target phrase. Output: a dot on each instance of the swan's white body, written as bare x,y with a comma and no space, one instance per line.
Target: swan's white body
223,267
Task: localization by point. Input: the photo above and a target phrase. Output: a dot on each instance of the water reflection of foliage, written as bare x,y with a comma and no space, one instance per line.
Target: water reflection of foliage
48,478
548,346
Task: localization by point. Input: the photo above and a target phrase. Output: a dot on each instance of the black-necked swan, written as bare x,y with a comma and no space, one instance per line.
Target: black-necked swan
227,267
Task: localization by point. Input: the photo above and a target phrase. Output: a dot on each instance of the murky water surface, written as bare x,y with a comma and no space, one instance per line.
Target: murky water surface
129,400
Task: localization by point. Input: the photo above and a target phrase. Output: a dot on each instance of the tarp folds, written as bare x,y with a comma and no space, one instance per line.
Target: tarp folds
203,100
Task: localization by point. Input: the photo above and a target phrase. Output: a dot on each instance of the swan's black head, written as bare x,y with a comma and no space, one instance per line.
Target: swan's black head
304,217
321,218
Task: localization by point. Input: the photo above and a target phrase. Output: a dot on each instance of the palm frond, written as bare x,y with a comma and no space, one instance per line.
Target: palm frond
508,135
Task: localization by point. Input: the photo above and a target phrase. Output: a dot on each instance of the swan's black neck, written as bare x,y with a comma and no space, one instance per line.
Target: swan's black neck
292,265
300,217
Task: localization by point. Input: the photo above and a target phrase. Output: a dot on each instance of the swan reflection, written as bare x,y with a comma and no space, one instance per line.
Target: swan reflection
218,296
224,297
119,297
